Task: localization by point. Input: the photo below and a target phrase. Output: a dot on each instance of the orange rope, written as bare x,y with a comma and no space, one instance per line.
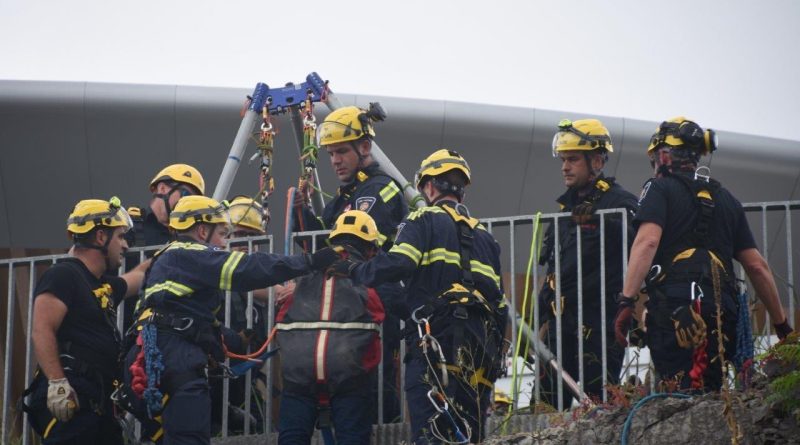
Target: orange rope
253,356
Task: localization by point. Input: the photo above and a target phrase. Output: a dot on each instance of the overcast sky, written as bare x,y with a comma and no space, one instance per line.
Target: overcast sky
731,65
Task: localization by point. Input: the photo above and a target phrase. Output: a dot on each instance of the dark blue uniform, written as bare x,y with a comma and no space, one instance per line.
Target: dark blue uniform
427,253
374,192
670,203
184,283
606,194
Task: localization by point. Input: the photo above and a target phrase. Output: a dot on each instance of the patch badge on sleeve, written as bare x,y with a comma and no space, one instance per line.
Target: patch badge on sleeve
644,191
365,203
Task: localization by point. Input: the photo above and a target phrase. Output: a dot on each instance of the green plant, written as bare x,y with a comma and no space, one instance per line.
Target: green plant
781,364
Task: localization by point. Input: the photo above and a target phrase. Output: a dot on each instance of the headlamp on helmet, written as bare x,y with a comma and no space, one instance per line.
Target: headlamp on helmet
350,124
680,132
89,214
581,135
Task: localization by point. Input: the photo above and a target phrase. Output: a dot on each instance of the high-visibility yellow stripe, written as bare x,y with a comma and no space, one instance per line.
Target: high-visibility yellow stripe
172,287
419,212
408,250
49,427
226,276
381,239
440,254
389,191
187,246
447,256
486,270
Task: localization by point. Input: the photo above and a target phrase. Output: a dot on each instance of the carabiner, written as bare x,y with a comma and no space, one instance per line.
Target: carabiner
431,392
699,295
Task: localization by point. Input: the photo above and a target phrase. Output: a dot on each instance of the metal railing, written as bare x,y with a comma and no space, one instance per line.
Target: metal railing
771,220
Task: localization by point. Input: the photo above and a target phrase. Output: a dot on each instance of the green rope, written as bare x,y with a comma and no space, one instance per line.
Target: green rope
515,381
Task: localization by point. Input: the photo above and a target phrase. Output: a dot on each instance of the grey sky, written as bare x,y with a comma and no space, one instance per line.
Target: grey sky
731,65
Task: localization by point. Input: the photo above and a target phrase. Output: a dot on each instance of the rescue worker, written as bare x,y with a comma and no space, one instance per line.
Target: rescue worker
178,335
247,220
452,267
583,148
151,223
690,229
74,334
331,329
346,134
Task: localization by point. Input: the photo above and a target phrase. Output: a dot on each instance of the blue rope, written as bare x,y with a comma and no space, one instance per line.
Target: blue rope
744,334
241,369
154,366
639,404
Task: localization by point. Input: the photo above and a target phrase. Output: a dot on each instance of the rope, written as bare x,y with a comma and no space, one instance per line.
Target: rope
515,381
699,357
154,366
629,420
253,355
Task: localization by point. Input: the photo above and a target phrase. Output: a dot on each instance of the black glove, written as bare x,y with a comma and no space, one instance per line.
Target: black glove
342,268
323,258
582,213
783,330
624,318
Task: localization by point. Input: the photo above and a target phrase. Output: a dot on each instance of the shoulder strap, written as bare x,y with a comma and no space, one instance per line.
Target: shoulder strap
465,227
703,193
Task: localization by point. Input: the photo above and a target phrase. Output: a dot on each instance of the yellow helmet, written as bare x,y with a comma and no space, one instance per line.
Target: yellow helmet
246,212
357,223
349,124
501,397
442,161
191,210
182,173
91,213
583,134
680,131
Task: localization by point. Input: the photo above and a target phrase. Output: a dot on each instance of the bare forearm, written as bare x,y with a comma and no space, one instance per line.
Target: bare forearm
135,278
641,258
767,292
46,349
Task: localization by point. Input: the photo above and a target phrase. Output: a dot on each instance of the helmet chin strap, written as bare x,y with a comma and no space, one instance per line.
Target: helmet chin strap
165,197
210,233
103,249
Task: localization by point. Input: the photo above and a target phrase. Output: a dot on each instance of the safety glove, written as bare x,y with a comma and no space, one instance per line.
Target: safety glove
62,400
323,258
624,318
342,268
782,330
246,335
638,336
583,213
690,328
